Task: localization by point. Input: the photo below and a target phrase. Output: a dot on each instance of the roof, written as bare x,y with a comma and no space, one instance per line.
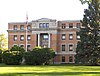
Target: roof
19,22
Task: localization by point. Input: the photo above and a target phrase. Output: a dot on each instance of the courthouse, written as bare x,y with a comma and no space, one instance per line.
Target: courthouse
59,35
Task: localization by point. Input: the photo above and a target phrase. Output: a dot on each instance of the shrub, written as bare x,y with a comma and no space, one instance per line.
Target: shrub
17,48
12,58
0,56
39,56
29,58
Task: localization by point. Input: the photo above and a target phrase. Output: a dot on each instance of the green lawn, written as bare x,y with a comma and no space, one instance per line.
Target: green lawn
53,70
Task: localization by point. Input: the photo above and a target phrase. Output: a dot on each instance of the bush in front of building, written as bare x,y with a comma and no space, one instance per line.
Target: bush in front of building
13,56
17,48
39,56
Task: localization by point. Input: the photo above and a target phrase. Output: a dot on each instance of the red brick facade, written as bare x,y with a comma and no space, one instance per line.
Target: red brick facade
60,36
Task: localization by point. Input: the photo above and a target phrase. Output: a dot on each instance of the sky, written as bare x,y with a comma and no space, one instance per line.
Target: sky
15,11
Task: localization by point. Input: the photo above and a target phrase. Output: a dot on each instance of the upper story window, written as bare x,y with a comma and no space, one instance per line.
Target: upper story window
40,25
70,25
78,37
70,47
78,25
63,47
63,36
63,26
15,38
47,25
15,27
70,36
29,27
28,37
21,27
44,25
45,37
22,37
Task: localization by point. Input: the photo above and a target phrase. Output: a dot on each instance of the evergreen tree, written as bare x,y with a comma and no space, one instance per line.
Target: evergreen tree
88,48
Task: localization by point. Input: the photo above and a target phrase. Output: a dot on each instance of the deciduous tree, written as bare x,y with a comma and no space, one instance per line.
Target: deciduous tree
3,42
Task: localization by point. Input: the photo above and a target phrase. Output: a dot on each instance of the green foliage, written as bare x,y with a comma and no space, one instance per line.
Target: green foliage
86,1
17,48
50,70
3,42
39,56
12,57
88,49
0,56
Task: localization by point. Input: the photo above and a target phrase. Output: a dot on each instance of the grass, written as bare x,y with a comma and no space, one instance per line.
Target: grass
50,70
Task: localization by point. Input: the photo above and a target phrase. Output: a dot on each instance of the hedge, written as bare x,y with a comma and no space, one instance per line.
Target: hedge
39,56
12,58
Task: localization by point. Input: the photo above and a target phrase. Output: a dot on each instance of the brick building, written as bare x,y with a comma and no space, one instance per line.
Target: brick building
58,35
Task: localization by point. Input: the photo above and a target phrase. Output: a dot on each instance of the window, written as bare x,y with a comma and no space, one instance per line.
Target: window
70,59
28,27
70,36
40,25
78,25
70,47
45,37
21,27
28,37
78,37
22,46
15,27
63,58
22,37
70,25
63,26
15,37
44,25
63,36
28,47
47,25
63,47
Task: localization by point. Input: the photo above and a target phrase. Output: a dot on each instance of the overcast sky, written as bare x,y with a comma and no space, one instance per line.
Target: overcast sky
15,10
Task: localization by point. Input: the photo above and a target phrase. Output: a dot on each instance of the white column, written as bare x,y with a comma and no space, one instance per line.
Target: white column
38,39
49,41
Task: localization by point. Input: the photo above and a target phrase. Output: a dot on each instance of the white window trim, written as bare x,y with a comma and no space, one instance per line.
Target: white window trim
62,36
68,47
72,36
65,47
